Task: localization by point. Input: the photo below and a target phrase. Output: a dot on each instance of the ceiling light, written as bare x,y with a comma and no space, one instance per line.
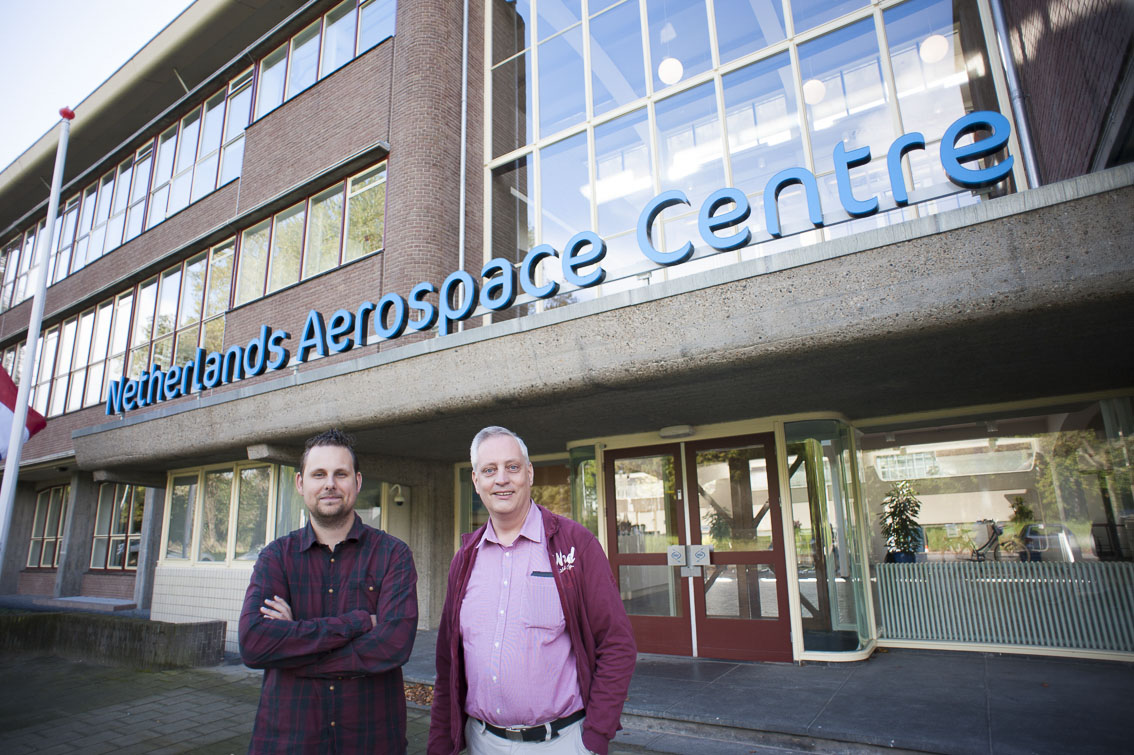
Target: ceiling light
813,91
933,48
670,70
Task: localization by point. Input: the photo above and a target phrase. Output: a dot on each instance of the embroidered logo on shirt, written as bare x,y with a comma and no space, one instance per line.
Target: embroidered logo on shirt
565,562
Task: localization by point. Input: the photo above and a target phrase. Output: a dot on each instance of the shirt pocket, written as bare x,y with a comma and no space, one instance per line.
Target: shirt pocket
364,594
541,608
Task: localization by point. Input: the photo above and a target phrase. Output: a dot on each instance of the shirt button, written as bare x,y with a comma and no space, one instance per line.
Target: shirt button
371,588
331,589
505,583
501,611
332,688
332,723
508,554
332,560
498,644
494,678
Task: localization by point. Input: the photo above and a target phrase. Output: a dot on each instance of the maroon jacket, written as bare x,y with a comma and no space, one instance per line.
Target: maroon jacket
600,634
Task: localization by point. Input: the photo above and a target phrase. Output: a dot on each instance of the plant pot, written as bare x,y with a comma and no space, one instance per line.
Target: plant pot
901,558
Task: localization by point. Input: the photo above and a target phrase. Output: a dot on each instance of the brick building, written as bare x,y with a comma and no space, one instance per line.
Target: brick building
650,239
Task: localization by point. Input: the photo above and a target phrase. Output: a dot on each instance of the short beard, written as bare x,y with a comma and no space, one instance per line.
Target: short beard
330,522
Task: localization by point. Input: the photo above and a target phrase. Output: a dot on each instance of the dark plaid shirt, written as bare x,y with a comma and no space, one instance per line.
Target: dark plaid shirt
331,682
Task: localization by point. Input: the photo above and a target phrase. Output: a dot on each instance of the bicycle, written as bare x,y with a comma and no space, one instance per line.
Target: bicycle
992,544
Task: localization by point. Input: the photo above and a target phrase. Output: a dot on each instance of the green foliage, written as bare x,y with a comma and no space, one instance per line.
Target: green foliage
1021,512
898,519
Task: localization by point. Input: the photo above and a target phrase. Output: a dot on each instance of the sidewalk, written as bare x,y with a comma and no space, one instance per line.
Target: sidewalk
903,701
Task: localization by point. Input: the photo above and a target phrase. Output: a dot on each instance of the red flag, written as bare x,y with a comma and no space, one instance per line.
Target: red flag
8,393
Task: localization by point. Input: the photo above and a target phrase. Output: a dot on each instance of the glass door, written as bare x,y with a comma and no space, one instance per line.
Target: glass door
645,515
721,493
740,596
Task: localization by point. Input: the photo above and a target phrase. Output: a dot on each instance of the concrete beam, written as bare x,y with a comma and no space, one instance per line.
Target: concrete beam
130,477
273,453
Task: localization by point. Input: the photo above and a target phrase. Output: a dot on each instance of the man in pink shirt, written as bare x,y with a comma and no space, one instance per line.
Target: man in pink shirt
534,650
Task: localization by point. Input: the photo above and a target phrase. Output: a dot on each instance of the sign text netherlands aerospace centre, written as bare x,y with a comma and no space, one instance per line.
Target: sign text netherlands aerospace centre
460,293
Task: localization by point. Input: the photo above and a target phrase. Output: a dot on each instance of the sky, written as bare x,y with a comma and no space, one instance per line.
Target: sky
53,53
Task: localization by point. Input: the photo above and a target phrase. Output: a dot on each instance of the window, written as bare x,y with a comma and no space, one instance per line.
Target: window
613,90
118,526
273,70
304,60
324,232
179,524
366,209
253,262
220,513
338,38
47,527
239,111
376,22
287,247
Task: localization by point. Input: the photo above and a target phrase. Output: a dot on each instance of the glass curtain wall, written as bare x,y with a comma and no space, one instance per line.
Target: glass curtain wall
1025,530
599,105
827,525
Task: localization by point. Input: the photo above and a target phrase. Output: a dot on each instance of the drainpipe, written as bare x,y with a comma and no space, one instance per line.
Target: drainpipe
1031,168
464,149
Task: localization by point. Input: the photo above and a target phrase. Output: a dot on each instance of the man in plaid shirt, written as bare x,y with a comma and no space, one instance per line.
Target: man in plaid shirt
331,615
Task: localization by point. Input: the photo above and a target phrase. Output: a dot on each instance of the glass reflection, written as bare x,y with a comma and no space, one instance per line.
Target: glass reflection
645,504
679,39
808,14
649,590
511,105
940,73
763,122
556,15
741,591
511,28
745,26
617,66
732,491
826,527
845,94
561,82
689,137
566,210
623,181
513,212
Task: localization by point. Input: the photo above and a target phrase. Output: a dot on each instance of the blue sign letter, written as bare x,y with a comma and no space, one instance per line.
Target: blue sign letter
708,222
573,259
650,212
952,156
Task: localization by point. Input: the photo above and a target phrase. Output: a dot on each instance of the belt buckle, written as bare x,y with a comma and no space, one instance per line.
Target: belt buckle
514,733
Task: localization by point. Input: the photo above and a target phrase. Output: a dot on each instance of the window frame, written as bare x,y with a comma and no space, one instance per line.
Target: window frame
192,559
127,537
58,538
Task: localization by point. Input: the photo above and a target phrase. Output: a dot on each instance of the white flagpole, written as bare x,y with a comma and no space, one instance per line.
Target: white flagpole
19,421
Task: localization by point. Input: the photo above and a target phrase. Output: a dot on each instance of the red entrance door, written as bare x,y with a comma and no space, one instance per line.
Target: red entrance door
723,493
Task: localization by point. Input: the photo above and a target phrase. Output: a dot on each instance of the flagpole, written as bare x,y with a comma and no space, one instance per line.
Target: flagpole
19,421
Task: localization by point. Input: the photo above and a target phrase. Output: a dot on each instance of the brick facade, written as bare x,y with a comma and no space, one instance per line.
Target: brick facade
1069,56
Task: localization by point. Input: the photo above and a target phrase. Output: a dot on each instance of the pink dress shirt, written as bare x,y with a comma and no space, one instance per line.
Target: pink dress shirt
518,658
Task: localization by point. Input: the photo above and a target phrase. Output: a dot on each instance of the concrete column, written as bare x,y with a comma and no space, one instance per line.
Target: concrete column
150,548
75,557
16,552
432,541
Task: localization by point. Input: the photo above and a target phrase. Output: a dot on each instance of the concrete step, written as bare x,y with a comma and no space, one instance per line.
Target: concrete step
84,603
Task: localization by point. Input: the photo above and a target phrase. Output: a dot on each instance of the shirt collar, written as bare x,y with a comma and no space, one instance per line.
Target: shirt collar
532,529
307,537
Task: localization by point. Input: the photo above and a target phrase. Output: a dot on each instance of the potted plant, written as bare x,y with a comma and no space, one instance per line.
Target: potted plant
899,523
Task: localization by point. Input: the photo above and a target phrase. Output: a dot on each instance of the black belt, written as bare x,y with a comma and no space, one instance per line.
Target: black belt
541,733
